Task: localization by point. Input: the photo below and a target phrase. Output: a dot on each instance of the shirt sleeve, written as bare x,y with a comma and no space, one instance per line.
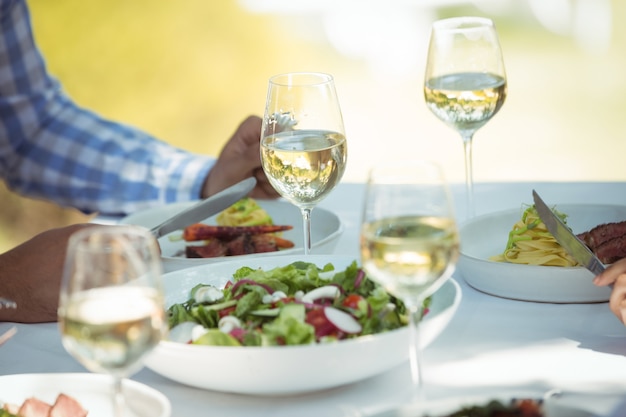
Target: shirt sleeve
50,148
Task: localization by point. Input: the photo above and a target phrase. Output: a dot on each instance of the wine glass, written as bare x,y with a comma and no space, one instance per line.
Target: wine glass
303,143
409,240
111,306
465,82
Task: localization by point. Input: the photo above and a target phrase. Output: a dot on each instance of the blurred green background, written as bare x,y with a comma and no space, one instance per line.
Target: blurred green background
189,71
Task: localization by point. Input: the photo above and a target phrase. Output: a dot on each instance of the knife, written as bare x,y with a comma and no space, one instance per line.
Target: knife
205,208
566,238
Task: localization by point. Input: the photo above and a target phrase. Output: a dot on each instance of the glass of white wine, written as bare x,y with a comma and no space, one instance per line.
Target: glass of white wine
409,240
303,142
465,82
111,306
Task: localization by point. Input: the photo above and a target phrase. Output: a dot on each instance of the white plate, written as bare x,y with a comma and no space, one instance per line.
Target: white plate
486,236
281,370
326,228
446,406
92,391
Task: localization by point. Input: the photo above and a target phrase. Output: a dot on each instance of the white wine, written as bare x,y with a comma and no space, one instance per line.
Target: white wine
406,255
465,101
305,165
111,329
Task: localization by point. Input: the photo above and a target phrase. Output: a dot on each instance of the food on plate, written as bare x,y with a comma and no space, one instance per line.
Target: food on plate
607,241
495,408
233,240
64,406
531,243
242,229
245,212
296,304
201,231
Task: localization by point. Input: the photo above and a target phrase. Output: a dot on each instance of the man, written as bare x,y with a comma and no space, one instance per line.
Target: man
51,148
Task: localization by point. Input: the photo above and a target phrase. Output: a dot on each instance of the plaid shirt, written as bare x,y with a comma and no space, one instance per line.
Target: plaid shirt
51,148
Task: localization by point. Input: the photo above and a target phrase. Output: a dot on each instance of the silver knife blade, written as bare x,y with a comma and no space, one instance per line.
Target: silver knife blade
566,238
205,208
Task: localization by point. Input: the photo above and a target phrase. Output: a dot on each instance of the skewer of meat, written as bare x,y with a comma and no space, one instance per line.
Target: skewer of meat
241,245
200,231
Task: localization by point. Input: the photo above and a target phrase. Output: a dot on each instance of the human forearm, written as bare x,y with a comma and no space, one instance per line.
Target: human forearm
52,148
31,273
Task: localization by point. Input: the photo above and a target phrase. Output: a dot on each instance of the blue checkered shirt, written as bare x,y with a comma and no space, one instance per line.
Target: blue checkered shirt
52,149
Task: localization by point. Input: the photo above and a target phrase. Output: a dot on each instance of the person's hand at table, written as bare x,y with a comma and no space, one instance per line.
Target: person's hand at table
30,275
239,159
616,275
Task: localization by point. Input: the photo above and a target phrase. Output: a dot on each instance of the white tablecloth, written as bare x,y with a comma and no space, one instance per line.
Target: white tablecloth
492,345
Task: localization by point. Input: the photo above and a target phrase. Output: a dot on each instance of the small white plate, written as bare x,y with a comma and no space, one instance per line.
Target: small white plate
283,370
486,236
326,227
92,391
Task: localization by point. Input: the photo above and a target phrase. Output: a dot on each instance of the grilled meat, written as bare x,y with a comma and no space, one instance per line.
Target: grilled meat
607,241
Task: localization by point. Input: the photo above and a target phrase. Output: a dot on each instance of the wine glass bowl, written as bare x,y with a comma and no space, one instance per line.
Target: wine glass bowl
465,82
409,240
111,306
303,143
304,166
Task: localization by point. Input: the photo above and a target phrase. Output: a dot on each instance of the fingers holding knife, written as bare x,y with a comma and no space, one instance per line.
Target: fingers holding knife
615,275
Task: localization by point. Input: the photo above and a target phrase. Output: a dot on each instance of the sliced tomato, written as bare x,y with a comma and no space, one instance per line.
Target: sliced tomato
323,326
352,301
357,305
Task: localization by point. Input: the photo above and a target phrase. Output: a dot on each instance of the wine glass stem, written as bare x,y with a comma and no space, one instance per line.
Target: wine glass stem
415,352
118,397
469,173
306,222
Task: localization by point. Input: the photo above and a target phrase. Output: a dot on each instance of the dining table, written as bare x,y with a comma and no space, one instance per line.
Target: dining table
492,347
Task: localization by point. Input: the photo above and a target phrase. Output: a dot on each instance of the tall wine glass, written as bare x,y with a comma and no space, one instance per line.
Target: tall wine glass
111,306
465,82
409,240
303,143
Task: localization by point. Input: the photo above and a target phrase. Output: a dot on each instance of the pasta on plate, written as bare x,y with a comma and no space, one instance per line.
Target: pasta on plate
531,243
245,212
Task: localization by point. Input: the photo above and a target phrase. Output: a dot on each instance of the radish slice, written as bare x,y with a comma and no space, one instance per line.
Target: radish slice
198,331
327,291
342,320
228,323
181,333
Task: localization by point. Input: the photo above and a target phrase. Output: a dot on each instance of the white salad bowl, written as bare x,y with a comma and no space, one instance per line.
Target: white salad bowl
280,370
326,229
485,236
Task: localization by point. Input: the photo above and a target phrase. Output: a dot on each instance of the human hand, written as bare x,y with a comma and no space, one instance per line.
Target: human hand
30,275
616,275
239,159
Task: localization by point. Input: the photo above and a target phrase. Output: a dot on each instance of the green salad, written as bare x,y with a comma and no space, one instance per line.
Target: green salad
297,304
